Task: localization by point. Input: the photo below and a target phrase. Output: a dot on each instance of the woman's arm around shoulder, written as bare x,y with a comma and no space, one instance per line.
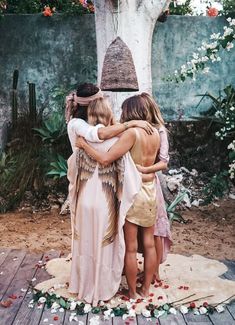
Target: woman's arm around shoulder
122,146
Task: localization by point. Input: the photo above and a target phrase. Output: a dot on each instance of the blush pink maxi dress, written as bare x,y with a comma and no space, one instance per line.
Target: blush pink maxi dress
162,225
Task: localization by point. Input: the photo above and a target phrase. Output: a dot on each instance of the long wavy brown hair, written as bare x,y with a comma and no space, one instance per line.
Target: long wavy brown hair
135,108
154,110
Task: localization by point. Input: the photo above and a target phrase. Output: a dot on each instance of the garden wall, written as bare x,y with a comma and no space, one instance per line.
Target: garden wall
61,51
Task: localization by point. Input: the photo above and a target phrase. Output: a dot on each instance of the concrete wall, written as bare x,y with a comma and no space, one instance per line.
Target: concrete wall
49,52
61,51
173,45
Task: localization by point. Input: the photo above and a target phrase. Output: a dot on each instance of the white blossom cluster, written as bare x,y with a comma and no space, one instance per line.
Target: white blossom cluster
208,52
227,116
231,170
199,7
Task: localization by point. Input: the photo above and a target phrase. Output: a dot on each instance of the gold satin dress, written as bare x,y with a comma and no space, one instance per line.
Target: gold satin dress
143,212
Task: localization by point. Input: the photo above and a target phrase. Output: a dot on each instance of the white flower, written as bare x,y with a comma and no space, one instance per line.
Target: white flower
107,313
206,70
87,308
101,303
219,308
172,311
61,310
81,322
195,56
45,320
218,59
229,46
212,57
73,317
227,31
73,305
183,309
95,320
215,36
232,108
125,316
55,305
53,311
205,58
232,22
42,300
202,310
132,313
146,313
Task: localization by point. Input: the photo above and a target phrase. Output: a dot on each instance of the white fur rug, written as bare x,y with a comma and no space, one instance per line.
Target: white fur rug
182,276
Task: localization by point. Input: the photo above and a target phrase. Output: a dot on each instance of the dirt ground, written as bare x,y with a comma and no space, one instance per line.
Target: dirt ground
210,231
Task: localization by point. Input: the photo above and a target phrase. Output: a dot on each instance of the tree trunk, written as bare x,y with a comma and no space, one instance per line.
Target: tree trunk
134,22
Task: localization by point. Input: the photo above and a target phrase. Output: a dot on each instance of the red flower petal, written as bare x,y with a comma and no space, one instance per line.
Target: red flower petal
6,303
140,262
205,304
12,296
192,305
160,297
56,318
186,288
151,295
156,286
180,287
139,301
150,300
166,286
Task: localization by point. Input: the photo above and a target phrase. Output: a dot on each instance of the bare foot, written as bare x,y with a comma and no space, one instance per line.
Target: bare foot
156,277
143,292
129,294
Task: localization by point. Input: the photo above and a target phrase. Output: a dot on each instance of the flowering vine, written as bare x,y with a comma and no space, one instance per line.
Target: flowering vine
208,52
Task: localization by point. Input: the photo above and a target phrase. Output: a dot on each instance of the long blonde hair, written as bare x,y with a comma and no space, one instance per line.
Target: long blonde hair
154,110
100,112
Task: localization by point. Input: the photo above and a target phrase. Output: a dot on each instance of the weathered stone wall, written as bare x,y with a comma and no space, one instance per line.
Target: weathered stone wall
61,51
51,52
174,42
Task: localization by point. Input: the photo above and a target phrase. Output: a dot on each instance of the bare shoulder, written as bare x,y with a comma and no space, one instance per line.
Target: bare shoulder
130,133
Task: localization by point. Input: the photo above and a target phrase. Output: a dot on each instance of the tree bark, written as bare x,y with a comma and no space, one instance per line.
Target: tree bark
134,22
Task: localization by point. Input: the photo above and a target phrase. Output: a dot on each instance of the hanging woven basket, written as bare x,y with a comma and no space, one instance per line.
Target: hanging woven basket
118,72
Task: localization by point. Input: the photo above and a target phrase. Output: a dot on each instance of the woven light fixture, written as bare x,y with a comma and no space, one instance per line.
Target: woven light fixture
118,72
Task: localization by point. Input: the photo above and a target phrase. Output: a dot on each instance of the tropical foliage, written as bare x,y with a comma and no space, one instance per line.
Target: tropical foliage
222,115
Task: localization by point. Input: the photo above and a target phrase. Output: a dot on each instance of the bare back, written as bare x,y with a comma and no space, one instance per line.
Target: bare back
145,149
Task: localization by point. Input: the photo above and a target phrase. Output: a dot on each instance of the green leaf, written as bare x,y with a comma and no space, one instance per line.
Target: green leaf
62,303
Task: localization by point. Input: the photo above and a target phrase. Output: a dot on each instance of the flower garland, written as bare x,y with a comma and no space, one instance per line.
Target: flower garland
210,53
125,310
